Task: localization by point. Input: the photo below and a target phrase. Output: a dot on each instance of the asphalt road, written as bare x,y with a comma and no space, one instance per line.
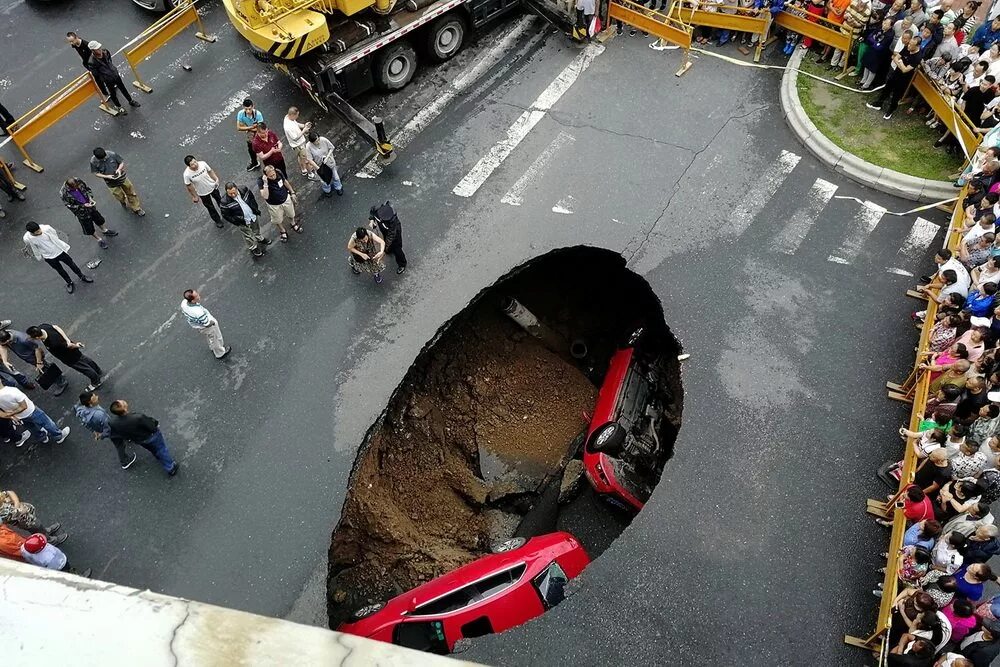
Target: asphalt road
754,548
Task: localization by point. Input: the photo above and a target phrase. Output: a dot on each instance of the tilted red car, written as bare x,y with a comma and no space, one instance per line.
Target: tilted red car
628,436
496,592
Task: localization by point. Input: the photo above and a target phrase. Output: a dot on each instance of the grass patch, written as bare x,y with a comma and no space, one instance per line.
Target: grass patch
904,143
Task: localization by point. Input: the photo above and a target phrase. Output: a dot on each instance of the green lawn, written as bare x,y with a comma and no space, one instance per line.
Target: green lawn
903,143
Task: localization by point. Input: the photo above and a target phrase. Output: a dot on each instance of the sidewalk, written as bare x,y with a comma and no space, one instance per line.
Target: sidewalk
878,178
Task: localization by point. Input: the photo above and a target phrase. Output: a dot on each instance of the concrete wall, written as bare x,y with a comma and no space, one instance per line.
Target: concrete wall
52,618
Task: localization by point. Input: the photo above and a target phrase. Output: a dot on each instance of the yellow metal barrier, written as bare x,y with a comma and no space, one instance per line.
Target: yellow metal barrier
665,26
955,120
726,17
916,387
152,38
51,111
817,27
71,96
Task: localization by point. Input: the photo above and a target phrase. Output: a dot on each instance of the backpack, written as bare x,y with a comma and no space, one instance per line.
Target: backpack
989,481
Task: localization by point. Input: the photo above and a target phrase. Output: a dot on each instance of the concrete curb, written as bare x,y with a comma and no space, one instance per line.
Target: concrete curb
878,178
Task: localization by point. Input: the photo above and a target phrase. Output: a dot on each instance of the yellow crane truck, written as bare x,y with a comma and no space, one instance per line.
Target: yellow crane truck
336,49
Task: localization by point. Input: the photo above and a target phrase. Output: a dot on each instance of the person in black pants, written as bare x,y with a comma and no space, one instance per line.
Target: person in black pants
906,62
67,351
202,184
384,220
44,244
105,72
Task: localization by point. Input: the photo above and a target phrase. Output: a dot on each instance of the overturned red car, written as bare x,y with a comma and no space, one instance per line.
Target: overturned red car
630,434
519,581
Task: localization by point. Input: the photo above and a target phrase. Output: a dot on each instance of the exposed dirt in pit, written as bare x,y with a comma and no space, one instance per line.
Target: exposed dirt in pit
488,415
476,443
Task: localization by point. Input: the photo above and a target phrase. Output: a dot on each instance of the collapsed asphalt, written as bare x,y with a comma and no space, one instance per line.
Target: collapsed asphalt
753,550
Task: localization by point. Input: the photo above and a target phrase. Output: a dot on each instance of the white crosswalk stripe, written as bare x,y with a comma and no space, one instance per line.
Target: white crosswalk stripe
862,225
922,233
757,197
795,230
515,196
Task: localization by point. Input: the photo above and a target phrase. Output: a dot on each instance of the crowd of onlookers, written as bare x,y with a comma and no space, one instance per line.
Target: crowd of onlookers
943,614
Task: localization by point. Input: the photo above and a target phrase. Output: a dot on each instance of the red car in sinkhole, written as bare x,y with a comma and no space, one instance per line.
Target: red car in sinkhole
519,581
629,436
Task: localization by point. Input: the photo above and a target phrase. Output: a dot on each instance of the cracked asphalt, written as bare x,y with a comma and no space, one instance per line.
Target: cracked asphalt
754,548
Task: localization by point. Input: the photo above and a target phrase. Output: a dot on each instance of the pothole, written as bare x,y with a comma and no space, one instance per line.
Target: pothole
504,429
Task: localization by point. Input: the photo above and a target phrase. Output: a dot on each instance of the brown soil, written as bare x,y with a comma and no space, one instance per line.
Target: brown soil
478,423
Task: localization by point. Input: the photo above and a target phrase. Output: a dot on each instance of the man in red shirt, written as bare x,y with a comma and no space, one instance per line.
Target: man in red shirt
267,146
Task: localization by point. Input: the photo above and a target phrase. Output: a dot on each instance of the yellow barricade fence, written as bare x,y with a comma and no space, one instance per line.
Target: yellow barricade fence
665,26
915,388
817,27
726,16
71,96
960,125
152,38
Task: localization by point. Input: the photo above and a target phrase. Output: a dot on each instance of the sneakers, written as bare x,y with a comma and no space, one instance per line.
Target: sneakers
874,107
340,192
134,104
886,116
400,269
70,287
173,471
126,466
86,279
24,438
229,348
257,252
87,573
311,176
4,324
54,528
140,213
252,166
62,387
378,278
356,271
65,434
104,244
110,232
56,540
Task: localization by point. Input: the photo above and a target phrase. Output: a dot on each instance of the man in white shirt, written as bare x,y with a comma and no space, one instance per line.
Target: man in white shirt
14,404
203,185
45,245
201,320
295,132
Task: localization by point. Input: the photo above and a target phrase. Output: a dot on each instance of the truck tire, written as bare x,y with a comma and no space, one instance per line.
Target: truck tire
262,56
395,66
445,38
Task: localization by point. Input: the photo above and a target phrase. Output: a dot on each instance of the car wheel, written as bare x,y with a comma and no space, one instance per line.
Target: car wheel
609,439
445,38
507,545
366,611
395,66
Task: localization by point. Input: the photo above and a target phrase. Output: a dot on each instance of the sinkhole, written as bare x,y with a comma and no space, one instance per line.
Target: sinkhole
549,404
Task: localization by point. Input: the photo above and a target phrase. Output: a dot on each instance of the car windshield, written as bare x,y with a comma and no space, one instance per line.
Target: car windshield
551,585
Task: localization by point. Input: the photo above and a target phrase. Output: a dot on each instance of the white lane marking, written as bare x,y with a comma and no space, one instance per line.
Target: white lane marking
797,227
516,133
427,115
564,206
863,224
515,196
922,233
756,198
229,107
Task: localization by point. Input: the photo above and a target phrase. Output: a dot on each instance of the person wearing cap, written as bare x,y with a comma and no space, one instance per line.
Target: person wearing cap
384,220
247,121
82,48
39,551
105,71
